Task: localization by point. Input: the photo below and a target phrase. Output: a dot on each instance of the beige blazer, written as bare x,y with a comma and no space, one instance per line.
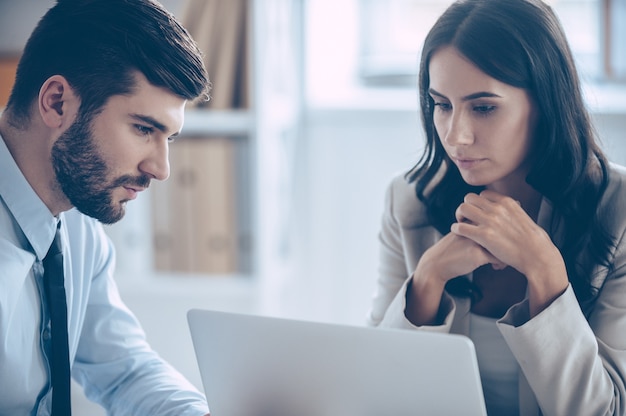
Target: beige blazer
570,365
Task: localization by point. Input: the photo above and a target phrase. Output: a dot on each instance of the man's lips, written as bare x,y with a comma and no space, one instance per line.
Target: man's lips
132,191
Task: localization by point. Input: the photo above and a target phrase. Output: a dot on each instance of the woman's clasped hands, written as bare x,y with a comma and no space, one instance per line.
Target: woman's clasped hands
499,225
495,229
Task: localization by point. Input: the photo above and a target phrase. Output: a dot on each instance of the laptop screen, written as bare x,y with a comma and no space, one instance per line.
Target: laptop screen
264,366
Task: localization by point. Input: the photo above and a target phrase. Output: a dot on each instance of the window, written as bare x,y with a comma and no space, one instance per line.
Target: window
614,39
391,36
392,32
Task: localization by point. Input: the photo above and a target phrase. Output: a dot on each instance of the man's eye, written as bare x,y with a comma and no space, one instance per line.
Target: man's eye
171,139
144,130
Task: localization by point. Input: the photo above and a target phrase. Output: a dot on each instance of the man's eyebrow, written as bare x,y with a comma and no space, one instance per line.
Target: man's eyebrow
154,123
473,96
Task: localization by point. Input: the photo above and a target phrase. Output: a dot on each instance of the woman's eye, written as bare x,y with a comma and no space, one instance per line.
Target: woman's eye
484,109
144,130
443,106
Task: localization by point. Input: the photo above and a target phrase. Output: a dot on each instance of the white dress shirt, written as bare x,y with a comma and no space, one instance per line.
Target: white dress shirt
108,350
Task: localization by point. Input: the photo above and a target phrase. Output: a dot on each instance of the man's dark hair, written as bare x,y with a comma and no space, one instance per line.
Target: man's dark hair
97,45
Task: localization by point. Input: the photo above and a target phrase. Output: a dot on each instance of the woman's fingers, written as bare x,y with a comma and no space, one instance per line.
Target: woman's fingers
500,225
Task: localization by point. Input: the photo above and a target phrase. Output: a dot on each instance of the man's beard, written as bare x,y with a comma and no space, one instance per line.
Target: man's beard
83,174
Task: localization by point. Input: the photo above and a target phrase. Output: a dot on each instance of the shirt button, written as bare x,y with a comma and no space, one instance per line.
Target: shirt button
46,334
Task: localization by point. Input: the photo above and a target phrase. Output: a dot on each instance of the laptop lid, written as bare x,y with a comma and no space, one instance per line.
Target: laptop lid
264,366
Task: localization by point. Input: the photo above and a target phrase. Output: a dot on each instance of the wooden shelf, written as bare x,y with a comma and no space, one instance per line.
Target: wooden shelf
200,122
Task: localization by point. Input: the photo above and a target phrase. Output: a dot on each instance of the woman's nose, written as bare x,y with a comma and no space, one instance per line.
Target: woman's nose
459,132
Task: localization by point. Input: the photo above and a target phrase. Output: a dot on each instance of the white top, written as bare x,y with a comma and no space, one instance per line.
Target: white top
498,367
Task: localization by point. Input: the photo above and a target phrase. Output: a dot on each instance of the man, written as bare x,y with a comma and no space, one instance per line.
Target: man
100,91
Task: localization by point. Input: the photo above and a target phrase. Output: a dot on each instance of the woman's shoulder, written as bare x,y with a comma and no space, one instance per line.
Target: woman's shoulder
617,171
613,203
616,188
402,201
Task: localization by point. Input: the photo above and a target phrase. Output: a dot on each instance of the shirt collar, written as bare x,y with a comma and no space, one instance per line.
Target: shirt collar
31,214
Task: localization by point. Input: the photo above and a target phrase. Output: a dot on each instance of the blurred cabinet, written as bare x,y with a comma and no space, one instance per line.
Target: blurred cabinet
195,211
199,221
220,212
8,66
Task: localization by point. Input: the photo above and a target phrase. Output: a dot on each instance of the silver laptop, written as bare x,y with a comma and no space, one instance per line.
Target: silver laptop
265,366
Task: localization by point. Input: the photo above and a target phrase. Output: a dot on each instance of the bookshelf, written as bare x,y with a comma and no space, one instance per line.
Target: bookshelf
260,127
231,155
199,219
8,66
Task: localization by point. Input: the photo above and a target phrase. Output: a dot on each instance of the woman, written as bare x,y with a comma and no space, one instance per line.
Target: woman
509,229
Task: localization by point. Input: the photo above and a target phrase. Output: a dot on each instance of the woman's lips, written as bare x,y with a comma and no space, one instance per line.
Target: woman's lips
466,162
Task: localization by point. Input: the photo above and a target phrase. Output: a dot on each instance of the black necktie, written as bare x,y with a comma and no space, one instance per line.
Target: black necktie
57,306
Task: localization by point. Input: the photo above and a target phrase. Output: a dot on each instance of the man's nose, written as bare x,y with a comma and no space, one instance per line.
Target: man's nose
157,164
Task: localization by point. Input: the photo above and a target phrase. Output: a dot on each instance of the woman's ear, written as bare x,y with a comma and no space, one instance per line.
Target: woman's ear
57,103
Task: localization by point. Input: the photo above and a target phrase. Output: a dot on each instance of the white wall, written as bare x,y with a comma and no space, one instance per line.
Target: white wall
344,163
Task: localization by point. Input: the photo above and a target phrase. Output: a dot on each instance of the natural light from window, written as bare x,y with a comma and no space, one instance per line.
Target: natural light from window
364,53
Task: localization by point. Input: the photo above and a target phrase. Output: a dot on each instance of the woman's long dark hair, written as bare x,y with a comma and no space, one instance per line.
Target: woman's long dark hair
521,43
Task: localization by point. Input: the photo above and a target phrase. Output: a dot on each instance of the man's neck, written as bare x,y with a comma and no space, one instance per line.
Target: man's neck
30,146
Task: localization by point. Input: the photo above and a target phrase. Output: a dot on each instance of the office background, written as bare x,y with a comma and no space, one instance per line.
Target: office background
325,122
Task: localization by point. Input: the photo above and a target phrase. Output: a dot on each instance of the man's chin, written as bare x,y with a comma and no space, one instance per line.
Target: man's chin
115,216
108,216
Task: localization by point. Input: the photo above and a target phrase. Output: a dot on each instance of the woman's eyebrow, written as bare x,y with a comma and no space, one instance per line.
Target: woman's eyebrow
473,96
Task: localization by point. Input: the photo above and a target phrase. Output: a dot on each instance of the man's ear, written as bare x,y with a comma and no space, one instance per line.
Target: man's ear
57,103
